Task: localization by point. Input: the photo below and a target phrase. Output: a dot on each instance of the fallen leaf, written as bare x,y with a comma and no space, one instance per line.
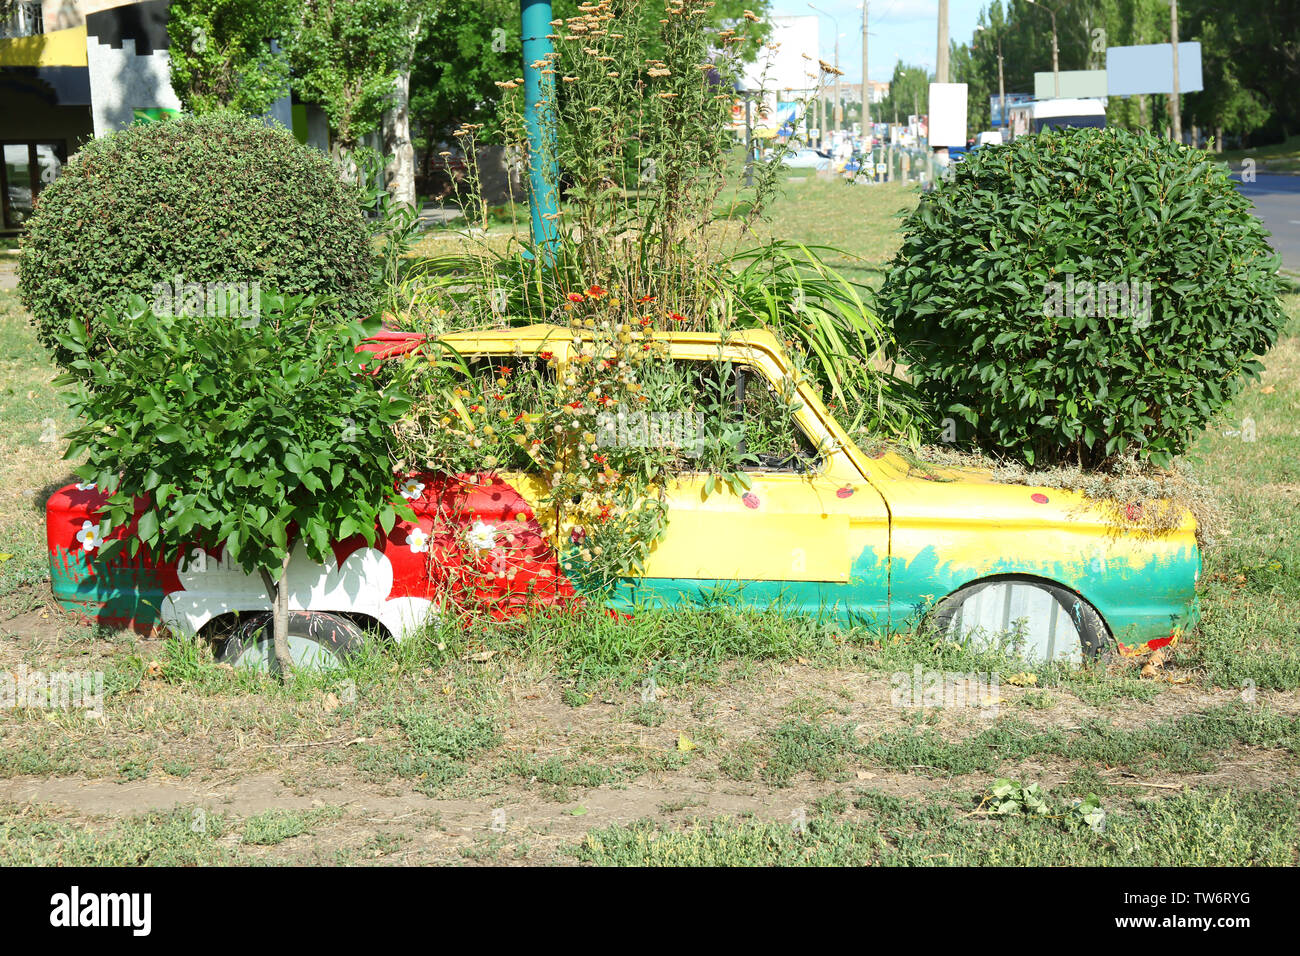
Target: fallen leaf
1156,661
5,557
577,812
1023,680
684,743
864,775
330,703
153,669
1267,390
482,656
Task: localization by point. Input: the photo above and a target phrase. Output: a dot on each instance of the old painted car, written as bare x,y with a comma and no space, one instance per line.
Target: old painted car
834,532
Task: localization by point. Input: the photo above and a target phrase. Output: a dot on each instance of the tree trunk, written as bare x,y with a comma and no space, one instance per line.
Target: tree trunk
278,591
399,175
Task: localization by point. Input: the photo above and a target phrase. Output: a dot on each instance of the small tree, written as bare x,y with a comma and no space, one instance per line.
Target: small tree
222,57
242,434
346,56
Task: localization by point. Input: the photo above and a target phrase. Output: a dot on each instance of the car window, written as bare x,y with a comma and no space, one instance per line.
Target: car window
742,420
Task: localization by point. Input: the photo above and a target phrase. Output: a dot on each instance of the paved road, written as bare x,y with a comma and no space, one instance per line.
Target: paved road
1277,203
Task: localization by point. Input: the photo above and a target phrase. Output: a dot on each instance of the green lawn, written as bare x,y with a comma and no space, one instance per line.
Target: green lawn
1281,157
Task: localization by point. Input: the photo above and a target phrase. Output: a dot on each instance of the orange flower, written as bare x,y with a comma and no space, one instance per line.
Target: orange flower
677,318
546,356
596,292
647,298
575,297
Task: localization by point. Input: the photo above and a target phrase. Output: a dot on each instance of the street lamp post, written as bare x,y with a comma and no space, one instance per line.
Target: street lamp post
1056,63
866,83
1002,87
836,116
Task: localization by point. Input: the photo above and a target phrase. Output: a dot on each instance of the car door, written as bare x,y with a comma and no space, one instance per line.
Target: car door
802,528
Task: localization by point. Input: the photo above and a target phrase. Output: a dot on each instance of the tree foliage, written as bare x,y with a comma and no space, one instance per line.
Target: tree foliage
1250,58
221,55
243,436
346,55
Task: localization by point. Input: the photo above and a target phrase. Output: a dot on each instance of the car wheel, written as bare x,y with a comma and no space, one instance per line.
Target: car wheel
317,641
1035,620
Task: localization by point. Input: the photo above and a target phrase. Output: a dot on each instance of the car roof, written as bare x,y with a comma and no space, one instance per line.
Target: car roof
543,332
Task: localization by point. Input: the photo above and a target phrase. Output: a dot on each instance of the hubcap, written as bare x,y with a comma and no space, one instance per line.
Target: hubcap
1021,618
306,654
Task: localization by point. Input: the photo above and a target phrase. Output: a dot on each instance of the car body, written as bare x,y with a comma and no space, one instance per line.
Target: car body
806,158
859,538
1038,115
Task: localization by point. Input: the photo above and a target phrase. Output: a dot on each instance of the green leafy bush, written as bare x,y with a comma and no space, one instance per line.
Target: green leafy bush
199,200
248,434
1081,295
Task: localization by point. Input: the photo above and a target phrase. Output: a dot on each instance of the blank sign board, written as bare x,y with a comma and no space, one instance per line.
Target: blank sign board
947,114
1075,85
1135,70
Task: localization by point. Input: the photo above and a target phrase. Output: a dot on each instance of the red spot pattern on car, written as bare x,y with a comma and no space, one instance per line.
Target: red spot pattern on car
750,499
845,492
1039,498
519,571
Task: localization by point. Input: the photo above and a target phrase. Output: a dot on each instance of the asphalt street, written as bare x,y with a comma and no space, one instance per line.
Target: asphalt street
1277,203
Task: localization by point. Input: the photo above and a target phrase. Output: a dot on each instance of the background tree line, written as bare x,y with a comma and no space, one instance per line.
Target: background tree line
1250,53
410,70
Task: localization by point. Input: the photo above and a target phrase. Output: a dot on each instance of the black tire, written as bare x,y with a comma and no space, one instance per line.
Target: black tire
335,638
1094,636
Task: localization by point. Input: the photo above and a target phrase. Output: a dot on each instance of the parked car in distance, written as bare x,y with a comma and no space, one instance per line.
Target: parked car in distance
806,158
825,530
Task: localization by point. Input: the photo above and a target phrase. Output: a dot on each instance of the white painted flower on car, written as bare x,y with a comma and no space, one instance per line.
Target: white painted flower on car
89,535
418,541
412,489
482,536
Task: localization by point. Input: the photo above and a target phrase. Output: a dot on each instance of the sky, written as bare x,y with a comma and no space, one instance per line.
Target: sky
897,29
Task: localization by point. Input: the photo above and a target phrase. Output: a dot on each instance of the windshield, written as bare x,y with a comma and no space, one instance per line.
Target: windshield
1060,122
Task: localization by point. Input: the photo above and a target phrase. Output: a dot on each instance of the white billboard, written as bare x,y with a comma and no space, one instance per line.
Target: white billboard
788,61
1075,85
947,114
1135,70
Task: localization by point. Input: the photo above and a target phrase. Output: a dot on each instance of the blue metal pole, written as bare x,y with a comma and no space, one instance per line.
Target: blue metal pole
539,124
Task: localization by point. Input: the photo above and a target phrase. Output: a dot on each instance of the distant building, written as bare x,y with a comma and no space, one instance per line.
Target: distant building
852,92
71,70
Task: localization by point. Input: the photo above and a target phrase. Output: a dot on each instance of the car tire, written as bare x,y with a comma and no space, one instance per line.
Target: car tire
1057,623
318,640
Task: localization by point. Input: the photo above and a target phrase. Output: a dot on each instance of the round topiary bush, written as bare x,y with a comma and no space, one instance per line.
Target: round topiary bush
191,207
1084,294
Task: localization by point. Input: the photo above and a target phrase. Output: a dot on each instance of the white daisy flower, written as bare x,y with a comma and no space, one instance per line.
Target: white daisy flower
482,537
418,541
412,489
89,535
